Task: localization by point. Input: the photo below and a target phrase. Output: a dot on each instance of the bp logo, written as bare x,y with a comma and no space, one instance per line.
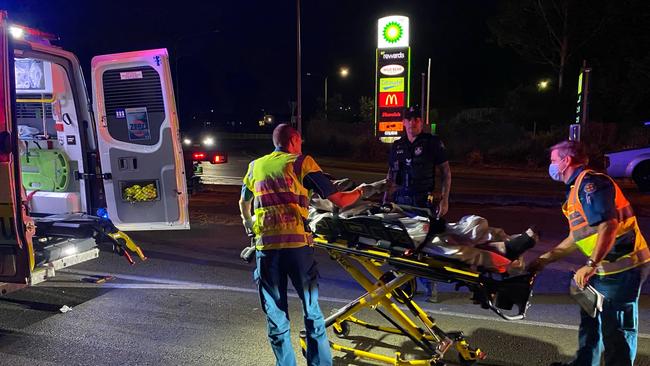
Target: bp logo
393,32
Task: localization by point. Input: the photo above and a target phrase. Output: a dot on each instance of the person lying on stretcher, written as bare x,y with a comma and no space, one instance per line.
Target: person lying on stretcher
466,240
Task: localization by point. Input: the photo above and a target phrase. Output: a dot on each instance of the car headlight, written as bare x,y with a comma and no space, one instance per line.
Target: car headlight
208,141
187,141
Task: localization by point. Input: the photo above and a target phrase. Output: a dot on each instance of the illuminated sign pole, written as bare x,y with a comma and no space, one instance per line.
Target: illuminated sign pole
392,76
582,112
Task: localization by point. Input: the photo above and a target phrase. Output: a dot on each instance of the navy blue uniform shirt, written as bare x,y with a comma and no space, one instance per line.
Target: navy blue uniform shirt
597,196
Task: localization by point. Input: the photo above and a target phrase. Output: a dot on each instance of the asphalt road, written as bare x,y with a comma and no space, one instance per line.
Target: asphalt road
193,302
481,185
464,185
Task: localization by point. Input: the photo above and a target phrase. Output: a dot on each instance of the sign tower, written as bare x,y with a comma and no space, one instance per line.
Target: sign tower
392,76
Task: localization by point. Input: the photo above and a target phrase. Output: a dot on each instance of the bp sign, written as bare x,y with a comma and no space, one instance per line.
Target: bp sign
393,32
392,70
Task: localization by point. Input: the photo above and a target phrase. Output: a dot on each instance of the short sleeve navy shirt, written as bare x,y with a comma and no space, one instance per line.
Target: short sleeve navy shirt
597,195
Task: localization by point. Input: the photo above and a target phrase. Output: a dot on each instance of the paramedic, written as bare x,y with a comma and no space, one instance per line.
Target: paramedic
279,185
411,170
603,227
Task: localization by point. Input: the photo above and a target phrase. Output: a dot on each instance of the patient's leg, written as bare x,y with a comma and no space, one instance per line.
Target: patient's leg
513,247
516,246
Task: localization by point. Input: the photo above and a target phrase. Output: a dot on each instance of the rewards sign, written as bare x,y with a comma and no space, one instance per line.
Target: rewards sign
393,71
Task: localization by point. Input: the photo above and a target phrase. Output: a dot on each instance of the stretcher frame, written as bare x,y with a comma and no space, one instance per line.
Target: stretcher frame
383,272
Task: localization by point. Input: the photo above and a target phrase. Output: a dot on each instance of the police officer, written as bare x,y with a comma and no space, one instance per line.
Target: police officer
279,183
413,161
604,228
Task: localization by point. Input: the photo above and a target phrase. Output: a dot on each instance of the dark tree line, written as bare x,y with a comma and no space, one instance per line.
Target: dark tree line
612,36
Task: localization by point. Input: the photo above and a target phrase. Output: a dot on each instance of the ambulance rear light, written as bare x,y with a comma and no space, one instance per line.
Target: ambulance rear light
199,156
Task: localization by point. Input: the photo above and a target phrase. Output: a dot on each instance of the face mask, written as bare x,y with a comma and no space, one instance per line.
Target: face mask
554,172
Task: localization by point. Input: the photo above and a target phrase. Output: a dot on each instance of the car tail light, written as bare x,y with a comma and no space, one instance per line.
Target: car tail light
199,156
219,158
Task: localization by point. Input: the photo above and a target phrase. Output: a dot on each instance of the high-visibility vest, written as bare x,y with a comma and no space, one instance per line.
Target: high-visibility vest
630,248
280,200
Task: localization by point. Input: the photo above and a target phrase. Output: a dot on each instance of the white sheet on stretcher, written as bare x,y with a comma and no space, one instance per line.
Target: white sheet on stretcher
457,242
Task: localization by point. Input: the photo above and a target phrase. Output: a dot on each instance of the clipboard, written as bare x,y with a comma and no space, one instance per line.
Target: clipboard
589,299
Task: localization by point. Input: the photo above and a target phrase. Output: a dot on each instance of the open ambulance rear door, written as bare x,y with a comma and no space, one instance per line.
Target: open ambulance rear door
139,142
16,254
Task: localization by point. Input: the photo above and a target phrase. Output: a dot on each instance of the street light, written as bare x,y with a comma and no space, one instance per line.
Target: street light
543,84
343,72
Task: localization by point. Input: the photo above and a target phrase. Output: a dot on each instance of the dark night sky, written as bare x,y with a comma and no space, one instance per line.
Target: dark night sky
250,63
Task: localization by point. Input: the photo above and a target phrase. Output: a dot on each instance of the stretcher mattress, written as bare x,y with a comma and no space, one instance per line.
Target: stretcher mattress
470,240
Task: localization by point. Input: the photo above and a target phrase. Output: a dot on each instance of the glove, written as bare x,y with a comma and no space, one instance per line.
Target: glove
248,254
248,226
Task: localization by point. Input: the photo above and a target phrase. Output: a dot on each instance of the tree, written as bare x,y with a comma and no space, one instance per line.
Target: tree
548,32
366,109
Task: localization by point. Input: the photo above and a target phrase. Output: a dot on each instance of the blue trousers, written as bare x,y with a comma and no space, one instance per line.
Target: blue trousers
615,329
274,267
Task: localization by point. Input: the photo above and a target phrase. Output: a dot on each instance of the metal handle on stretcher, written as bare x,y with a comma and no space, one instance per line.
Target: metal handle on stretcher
506,316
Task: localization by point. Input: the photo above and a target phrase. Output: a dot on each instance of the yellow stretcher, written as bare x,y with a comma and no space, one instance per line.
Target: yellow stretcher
383,260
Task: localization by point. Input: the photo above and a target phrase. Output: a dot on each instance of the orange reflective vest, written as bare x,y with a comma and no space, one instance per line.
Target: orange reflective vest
629,239
280,200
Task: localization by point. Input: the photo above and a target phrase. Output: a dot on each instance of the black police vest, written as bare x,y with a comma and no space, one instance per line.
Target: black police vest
413,170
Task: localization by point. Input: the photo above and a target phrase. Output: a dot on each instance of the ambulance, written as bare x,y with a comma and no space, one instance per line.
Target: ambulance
74,175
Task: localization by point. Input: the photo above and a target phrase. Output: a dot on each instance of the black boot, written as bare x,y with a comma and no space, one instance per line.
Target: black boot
516,246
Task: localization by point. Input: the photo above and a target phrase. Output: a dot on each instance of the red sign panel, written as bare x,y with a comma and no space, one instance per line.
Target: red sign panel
391,114
394,99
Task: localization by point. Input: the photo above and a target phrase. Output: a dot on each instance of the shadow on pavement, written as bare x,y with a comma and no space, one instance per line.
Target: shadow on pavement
46,302
375,345
516,350
198,261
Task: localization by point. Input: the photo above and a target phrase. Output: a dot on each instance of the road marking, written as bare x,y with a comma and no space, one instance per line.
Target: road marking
219,177
153,283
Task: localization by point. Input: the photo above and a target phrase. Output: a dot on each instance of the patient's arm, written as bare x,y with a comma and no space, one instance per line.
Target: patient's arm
566,247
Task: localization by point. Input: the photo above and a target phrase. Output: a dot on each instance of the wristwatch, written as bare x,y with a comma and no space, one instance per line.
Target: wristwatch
592,264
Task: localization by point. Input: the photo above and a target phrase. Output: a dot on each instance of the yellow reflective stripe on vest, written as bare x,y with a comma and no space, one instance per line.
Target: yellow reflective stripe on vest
624,263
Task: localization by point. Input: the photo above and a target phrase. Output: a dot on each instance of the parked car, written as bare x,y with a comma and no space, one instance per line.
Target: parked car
631,163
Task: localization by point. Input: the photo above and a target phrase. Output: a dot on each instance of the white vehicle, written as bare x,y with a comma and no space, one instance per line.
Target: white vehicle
74,174
632,163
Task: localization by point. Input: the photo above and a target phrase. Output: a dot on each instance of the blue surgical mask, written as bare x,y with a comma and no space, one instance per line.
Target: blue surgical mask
554,172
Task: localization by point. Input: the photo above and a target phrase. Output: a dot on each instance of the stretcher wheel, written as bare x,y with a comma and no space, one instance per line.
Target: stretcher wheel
345,330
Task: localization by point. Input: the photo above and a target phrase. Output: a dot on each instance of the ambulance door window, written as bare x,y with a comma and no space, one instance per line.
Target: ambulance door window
49,131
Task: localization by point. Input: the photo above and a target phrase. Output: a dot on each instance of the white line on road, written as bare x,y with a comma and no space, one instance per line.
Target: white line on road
152,283
219,177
